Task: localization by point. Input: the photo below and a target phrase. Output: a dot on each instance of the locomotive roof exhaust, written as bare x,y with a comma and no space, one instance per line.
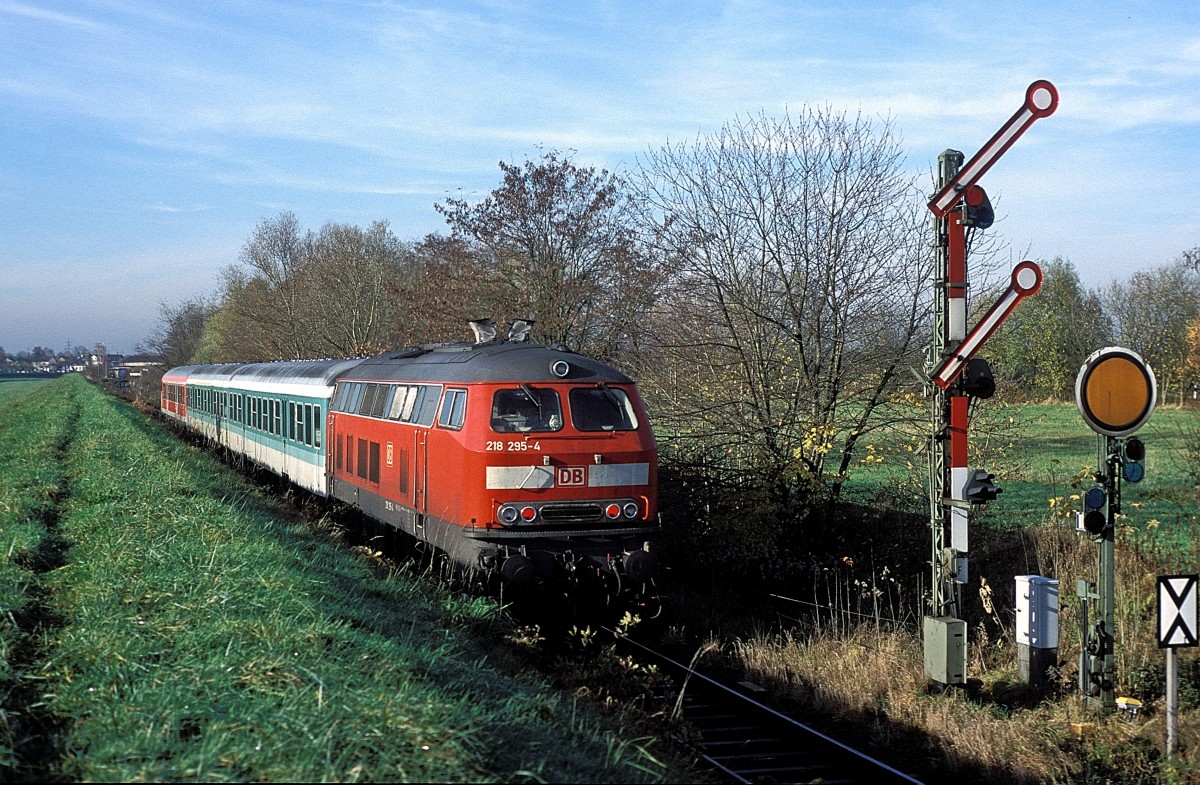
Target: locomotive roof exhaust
485,330
518,331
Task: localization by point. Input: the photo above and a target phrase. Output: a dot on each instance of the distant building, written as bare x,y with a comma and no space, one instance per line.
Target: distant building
126,370
140,363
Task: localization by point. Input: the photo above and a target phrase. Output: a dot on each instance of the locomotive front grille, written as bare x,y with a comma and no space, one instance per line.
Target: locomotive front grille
572,513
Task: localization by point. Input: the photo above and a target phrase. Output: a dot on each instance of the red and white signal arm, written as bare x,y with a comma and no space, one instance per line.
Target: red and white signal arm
1041,99
1115,391
1026,280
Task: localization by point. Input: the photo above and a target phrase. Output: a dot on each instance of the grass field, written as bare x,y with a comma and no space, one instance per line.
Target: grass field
164,622
1044,454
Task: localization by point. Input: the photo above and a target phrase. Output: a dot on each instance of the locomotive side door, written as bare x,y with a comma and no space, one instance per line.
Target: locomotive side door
420,466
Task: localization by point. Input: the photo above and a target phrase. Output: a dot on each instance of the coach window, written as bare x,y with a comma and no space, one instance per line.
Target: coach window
413,408
524,409
308,424
317,425
454,406
602,408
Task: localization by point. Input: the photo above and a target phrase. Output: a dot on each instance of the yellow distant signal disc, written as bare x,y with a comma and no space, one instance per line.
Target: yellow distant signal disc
1115,391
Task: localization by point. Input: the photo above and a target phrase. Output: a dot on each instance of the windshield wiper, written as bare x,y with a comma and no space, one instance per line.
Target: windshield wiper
611,396
532,396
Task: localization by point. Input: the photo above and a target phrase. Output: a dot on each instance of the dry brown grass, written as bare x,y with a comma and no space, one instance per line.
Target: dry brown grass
1001,732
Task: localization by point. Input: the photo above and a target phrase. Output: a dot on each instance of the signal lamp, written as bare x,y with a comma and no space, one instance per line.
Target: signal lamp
630,510
528,514
508,514
613,511
978,212
1095,521
1133,463
980,487
977,380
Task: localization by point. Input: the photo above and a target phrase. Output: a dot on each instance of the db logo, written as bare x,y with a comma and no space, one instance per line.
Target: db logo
572,475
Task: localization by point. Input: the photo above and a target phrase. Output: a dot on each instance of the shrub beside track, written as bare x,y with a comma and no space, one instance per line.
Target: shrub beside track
165,623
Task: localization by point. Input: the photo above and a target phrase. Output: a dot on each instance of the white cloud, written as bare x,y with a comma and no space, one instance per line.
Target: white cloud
45,15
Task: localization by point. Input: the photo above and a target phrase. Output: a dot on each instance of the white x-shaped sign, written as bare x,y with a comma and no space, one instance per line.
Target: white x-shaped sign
1177,611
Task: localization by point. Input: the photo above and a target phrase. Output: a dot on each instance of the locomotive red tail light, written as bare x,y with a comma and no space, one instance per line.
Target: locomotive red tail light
613,511
509,514
528,514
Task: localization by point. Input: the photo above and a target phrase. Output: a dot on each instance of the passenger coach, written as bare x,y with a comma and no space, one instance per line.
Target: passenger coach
274,414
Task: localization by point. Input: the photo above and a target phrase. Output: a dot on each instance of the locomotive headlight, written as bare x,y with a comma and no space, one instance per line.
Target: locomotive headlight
613,511
560,368
631,509
508,514
528,514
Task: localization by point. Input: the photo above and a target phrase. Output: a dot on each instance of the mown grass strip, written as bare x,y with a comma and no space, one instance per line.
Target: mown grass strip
36,423
207,636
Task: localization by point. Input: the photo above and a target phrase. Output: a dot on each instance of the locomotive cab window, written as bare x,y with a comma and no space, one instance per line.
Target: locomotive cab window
602,408
524,409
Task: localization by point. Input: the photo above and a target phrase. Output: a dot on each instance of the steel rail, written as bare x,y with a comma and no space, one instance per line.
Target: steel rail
878,768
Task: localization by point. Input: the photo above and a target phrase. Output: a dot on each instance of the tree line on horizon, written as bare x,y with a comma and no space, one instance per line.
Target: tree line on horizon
769,285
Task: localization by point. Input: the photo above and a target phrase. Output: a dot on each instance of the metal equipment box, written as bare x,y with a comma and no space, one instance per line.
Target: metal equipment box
946,649
1037,611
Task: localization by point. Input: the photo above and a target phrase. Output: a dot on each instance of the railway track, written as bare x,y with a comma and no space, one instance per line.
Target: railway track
750,742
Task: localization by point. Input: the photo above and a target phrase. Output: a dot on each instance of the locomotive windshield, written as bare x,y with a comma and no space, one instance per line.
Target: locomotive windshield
525,409
602,408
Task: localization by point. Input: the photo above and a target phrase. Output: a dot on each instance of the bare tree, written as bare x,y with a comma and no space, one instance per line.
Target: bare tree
448,281
801,264
180,330
297,294
561,241
265,294
347,279
1191,259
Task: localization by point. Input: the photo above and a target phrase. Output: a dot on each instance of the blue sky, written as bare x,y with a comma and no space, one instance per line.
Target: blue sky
142,141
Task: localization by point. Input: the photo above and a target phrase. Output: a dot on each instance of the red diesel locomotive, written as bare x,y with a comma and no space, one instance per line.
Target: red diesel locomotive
526,461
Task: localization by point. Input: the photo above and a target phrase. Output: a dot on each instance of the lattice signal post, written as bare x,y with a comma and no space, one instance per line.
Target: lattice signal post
955,375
